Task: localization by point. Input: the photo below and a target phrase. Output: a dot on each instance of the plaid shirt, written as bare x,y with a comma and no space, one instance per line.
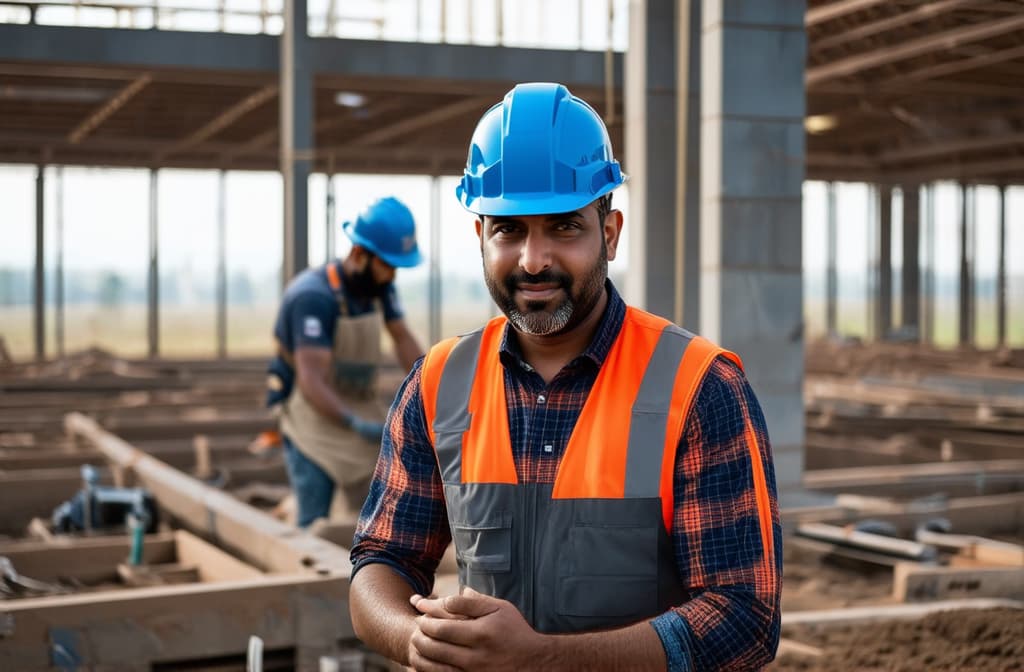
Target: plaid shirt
732,620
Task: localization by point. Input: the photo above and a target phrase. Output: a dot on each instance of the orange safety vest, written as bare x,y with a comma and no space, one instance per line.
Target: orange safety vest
593,549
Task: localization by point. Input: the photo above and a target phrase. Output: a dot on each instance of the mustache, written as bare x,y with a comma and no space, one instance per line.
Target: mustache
544,277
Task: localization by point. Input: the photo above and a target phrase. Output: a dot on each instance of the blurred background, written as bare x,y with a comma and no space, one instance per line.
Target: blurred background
834,189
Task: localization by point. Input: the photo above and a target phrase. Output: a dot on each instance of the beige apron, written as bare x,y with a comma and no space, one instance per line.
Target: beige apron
347,458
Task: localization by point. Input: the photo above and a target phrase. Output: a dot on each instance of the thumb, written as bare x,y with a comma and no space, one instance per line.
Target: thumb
471,604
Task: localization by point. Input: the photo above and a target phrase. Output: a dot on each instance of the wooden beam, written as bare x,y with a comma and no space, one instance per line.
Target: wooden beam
120,99
874,28
836,9
421,121
924,45
913,582
224,119
86,559
933,475
986,515
897,612
175,624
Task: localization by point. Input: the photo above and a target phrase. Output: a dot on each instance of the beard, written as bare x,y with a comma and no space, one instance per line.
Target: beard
362,284
558,315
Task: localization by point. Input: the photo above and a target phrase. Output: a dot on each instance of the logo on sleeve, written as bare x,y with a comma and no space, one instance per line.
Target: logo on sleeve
311,327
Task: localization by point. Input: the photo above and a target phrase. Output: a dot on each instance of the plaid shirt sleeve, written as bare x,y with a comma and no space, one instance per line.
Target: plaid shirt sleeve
404,523
727,533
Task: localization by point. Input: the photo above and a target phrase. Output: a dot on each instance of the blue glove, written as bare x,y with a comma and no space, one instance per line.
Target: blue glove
368,429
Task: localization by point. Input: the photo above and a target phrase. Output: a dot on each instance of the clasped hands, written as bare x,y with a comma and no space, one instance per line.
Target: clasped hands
471,632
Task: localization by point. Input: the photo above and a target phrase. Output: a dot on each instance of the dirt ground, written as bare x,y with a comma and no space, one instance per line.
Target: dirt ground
989,640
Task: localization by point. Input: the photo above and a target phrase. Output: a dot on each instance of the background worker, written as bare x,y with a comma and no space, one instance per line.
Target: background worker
322,380
607,476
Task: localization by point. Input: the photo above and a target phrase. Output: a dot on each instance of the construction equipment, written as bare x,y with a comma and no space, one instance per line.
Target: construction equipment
102,507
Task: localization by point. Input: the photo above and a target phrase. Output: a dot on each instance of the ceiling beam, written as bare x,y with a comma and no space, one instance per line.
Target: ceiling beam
934,149
873,29
834,10
224,119
119,100
937,42
421,121
962,65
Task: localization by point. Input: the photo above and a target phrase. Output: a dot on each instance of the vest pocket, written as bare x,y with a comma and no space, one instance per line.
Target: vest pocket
608,597
485,544
612,572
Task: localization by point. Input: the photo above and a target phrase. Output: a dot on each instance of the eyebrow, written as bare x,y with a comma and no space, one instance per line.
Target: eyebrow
497,219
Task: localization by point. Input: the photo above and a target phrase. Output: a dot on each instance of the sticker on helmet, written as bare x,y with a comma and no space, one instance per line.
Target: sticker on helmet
311,327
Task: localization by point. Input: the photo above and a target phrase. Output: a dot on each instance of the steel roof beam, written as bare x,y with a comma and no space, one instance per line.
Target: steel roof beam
932,43
108,109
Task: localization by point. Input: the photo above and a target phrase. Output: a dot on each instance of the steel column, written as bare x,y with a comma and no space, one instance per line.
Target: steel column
911,279
883,304
153,283
39,288
296,136
222,265
1001,272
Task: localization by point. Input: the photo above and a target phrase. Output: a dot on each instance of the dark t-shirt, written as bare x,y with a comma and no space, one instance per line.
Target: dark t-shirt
309,310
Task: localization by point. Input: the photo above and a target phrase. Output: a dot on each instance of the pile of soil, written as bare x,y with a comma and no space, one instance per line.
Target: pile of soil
987,640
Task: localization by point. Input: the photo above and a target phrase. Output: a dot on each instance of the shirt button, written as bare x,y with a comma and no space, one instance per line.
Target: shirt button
548,447
541,399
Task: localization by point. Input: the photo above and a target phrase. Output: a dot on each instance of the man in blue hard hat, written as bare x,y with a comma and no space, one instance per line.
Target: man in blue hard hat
322,378
605,475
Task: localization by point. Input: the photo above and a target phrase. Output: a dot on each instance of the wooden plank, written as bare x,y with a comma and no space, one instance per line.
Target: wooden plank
915,583
867,541
897,612
978,548
262,540
986,515
86,559
179,623
213,563
957,478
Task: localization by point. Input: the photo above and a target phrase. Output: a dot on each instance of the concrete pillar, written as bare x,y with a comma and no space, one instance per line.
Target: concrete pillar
39,288
883,303
153,282
296,136
911,278
831,261
650,159
222,265
1001,272
965,305
752,171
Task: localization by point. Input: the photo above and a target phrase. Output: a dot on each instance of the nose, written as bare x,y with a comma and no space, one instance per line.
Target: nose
535,255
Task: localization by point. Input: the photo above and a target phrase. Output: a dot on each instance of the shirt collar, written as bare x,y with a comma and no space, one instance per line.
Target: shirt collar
607,331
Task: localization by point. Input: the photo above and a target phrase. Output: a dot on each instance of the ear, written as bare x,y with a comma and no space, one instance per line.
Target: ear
612,232
479,231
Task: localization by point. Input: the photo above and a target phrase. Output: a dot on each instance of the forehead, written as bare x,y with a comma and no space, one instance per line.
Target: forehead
589,210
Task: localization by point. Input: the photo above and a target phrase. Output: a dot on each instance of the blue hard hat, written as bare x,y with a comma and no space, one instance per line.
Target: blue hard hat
387,229
540,151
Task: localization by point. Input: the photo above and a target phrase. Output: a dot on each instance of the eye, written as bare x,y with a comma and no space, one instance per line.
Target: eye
568,225
504,228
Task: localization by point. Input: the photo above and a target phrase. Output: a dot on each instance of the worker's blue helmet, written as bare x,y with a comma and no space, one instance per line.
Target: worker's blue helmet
387,229
540,151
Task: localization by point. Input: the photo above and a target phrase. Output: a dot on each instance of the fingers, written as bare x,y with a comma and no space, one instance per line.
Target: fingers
434,607
471,604
430,655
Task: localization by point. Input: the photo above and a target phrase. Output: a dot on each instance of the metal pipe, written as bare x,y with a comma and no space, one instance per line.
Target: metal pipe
831,276
153,284
1001,271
